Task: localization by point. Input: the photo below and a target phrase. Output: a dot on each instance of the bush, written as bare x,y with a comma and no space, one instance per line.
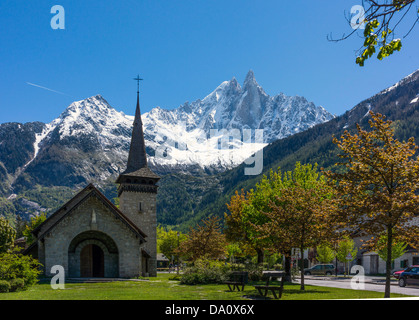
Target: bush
17,266
205,271
4,286
17,284
255,271
278,266
7,235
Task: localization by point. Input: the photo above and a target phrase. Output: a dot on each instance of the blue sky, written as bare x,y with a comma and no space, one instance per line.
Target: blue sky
183,49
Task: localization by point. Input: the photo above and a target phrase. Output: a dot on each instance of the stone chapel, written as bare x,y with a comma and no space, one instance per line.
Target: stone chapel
90,237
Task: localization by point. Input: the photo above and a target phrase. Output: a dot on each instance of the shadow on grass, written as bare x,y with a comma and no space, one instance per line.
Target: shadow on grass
290,289
298,291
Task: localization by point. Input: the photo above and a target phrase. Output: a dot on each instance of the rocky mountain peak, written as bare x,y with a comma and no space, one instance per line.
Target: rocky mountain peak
90,140
250,78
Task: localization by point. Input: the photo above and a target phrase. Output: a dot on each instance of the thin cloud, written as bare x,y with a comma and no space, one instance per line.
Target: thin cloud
45,88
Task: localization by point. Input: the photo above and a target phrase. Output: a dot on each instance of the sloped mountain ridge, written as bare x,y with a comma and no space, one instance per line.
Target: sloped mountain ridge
184,199
90,140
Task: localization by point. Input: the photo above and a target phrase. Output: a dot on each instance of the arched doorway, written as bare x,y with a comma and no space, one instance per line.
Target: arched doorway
92,262
93,254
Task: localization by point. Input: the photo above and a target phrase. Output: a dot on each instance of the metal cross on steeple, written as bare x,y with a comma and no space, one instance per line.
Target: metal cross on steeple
138,79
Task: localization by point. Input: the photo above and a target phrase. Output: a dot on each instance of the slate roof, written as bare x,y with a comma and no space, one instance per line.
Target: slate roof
73,203
140,173
137,157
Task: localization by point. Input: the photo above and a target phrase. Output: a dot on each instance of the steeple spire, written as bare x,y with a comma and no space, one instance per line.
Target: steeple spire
137,176
137,157
138,79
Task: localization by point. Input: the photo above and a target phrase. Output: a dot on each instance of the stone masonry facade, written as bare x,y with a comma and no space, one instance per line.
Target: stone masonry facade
91,223
140,208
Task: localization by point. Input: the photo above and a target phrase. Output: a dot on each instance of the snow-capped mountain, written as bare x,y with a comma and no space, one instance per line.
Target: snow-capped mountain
90,140
221,130
41,164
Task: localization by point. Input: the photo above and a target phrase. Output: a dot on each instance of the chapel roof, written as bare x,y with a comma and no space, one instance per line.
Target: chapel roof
75,202
137,158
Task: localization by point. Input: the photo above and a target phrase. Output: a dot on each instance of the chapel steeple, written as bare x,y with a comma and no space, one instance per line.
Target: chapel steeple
137,193
137,175
137,157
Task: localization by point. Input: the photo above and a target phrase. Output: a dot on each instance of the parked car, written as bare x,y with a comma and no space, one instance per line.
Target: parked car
410,276
397,274
320,269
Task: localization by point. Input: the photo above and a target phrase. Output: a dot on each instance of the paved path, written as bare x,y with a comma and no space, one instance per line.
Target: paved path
371,284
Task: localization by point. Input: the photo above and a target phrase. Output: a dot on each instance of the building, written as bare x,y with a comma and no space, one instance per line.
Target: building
90,237
369,260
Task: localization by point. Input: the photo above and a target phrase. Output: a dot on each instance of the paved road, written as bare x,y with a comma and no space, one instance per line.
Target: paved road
371,284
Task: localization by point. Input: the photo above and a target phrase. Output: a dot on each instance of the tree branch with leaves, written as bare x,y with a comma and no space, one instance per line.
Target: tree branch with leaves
380,19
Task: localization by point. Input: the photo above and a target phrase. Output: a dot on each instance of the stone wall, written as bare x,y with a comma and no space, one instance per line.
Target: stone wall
55,249
145,219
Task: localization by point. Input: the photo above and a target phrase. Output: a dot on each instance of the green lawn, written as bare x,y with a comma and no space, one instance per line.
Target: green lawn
162,288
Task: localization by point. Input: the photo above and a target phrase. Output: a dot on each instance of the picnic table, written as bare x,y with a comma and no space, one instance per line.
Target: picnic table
237,279
269,275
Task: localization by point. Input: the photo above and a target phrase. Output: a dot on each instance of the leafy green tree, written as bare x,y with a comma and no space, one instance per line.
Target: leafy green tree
346,251
205,241
116,202
35,222
299,217
168,241
245,212
233,250
14,265
325,254
377,185
397,249
273,259
7,235
236,230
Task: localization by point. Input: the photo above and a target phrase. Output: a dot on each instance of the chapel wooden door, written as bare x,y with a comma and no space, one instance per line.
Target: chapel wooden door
92,262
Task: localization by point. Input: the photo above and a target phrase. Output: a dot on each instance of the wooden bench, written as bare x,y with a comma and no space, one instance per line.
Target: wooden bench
237,280
264,289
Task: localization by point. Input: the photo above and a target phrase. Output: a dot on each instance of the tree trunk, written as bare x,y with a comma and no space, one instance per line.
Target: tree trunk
260,255
388,262
287,267
302,268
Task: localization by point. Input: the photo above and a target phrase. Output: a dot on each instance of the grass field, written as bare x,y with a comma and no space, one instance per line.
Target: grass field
163,288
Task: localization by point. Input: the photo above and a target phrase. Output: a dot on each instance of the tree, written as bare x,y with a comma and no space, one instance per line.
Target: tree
205,241
20,226
16,266
346,252
168,241
325,253
300,216
380,246
377,185
233,250
246,212
397,249
380,18
35,222
7,235
237,231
